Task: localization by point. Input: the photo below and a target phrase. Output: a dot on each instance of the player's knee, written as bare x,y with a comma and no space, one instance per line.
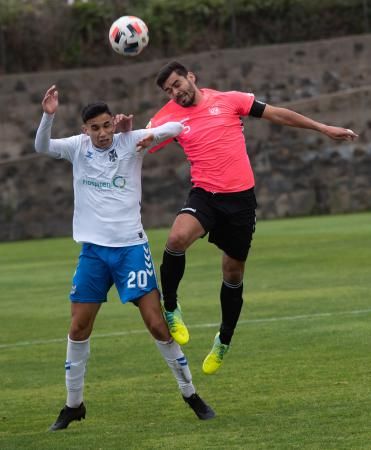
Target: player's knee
158,329
233,272
79,331
233,276
178,241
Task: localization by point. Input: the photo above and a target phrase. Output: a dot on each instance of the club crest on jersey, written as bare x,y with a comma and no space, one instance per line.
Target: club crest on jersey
89,154
112,155
214,110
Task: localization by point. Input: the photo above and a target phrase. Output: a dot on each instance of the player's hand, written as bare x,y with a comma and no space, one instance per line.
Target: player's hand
50,100
123,123
145,142
340,134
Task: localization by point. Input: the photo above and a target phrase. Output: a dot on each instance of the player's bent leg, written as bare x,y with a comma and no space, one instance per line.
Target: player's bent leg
151,312
231,300
233,269
231,304
185,230
82,320
149,306
78,350
155,319
178,364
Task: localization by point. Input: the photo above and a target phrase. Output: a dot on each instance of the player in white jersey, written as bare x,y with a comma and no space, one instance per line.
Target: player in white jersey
107,221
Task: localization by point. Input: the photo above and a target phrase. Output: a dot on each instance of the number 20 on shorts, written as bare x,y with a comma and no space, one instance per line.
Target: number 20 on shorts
137,279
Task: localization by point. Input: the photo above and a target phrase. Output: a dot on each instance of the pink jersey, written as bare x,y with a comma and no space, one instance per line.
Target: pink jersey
213,140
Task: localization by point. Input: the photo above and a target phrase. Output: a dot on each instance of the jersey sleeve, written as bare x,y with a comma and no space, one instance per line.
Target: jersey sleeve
241,101
161,117
57,148
162,134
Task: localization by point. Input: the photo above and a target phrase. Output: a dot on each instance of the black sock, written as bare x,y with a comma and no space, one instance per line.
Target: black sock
231,302
171,270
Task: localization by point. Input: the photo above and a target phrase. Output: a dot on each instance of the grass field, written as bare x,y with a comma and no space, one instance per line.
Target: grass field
298,375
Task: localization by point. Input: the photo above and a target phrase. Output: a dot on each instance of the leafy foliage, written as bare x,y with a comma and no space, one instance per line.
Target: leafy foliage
44,34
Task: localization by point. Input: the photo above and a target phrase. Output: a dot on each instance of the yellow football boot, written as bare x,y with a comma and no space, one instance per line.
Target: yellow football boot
177,327
214,359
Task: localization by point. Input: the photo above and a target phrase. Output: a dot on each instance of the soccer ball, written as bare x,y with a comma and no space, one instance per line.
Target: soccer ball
128,35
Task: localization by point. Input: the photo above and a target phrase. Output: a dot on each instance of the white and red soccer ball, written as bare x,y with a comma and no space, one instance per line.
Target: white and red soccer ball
128,35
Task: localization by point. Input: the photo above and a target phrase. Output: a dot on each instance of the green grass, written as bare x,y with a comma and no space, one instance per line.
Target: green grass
298,375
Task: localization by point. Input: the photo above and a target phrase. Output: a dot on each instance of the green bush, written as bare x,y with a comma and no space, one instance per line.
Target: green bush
45,34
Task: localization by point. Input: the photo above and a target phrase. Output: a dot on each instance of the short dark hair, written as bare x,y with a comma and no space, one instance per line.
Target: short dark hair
168,69
93,110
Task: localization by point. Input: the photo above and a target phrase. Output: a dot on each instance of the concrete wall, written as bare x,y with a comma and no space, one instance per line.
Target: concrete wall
297,172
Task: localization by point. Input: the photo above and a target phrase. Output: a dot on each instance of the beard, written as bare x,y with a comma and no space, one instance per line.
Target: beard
187,97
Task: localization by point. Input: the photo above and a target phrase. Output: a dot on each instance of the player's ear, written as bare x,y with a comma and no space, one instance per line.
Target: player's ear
84,129
191,77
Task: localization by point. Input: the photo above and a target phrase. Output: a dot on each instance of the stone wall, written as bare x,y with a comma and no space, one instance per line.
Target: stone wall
298,172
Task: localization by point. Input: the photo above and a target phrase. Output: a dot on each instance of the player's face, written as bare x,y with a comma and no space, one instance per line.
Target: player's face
181,89
100,129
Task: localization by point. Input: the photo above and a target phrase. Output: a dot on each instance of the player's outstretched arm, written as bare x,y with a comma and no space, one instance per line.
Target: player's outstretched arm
159,134
145,142
284,116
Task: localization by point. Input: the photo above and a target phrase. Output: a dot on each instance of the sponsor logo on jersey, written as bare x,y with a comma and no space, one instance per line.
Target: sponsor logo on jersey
118,182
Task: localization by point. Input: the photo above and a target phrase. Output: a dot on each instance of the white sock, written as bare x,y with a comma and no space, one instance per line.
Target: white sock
178,364
77,356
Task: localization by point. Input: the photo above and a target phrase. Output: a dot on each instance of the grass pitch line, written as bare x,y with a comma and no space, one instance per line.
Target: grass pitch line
202,325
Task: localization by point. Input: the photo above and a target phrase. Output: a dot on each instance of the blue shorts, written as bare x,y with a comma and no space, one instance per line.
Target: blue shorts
130,268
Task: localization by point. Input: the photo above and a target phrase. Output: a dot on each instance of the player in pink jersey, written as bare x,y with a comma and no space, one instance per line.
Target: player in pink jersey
222,200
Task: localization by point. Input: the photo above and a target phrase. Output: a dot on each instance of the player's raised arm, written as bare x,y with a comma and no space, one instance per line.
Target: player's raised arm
159,134
58,148
50,105
284,116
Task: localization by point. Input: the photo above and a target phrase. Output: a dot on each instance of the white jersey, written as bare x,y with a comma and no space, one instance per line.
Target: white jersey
106,182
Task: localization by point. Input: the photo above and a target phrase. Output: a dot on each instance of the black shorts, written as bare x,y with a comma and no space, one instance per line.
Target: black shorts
228,218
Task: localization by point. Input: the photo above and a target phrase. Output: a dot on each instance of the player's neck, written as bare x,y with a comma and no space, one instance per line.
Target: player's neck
198,97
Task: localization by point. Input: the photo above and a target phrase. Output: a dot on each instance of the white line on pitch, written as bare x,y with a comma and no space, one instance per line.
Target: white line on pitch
202,325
